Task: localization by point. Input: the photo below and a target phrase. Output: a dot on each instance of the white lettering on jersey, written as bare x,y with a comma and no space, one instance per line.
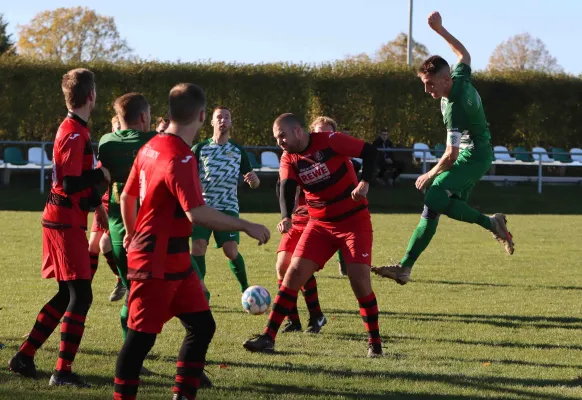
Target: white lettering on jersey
316,173
142,185
184,161
74,136
151,153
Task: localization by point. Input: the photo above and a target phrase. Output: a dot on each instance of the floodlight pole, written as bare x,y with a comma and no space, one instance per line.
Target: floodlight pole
409,44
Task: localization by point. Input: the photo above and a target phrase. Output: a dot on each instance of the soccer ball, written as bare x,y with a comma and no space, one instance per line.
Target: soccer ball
256,300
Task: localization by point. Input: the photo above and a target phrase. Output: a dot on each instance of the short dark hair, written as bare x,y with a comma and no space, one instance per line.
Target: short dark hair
186,100
130,106
77,85
433,65
289,120
220,108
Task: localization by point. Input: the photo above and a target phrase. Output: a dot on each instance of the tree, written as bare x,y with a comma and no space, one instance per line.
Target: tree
6,43
75,34
523,52
395,52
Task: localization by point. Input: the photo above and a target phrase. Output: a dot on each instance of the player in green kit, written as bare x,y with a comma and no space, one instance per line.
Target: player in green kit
467,157
220,163
117,150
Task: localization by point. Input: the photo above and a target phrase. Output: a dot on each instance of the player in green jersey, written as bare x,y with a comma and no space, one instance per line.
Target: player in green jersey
220,163
467,157
117,150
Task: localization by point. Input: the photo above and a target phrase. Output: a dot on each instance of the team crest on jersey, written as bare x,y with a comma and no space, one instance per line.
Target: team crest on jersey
318,156
315,173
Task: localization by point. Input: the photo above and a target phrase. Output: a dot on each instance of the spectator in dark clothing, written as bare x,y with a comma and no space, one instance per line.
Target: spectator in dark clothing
388,167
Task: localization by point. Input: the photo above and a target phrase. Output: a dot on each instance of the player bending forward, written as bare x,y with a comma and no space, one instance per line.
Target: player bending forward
467,157
163,284
339,219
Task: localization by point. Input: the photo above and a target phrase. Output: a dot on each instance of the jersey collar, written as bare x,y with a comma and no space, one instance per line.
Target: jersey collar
80,120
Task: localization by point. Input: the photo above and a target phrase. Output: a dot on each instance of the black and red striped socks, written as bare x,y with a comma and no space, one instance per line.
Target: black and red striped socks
188,378
369,313
94,262
72,330
285,301
46,322
311,297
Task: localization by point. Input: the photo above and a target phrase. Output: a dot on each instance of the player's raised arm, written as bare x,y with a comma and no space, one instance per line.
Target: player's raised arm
435,21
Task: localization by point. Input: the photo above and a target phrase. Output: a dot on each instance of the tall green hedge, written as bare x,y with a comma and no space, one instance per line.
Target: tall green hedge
523,109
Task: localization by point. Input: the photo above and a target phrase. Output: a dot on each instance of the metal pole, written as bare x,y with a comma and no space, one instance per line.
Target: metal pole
540,173
42,169
409,44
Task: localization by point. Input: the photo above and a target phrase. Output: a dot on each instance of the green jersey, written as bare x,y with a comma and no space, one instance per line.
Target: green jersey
117,151
463,112
219,167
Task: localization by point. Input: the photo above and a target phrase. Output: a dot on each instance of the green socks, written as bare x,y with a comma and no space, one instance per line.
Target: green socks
200,261
237,266
124,315
461,211
419,241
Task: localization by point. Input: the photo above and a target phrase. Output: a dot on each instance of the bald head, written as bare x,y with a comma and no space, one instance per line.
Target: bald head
289,133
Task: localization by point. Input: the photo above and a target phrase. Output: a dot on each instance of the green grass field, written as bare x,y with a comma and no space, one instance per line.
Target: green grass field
474,323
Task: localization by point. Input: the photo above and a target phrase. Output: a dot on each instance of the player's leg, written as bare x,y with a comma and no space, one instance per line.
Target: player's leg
283,261
341,264
199,274
200,238
47,320
72,328
356,246
94,239
149,309
106,247
191,307
314,249
236,262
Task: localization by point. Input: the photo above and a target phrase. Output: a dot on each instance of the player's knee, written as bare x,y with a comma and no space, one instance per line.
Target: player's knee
94,239
427,213
199,247
436,200
105,244
230,250
200,327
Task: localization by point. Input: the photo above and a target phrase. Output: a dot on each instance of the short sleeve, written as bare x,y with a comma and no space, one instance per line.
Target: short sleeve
286,170
183,182
245,162
461,70
346,145
72,151
132,184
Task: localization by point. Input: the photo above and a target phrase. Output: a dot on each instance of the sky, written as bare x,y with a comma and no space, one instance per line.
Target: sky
316,31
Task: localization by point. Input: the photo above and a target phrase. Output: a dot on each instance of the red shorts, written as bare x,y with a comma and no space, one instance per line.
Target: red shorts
154,302
290,239
352,236
65,254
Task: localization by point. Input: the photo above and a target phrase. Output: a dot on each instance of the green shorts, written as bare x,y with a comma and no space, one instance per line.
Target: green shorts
221,237
469,168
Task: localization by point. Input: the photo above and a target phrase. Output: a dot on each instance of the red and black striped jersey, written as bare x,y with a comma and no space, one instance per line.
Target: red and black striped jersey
72,155
165,177
326,175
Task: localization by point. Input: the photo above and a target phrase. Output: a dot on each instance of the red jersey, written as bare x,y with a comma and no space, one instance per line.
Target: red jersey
165,177
72,155
326,175
301,214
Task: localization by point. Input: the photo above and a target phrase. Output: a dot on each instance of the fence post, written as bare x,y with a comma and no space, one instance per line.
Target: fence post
42,160
540,173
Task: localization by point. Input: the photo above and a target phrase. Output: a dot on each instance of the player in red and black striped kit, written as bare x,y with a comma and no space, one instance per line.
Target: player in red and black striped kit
65,249
164,285
339,219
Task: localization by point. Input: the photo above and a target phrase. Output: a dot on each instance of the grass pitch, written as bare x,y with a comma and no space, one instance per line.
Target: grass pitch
473,323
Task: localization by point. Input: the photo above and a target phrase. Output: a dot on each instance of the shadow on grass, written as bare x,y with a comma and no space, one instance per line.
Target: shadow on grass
460,283
489,385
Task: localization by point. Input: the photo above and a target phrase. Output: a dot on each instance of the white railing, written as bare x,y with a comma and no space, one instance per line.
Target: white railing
425,161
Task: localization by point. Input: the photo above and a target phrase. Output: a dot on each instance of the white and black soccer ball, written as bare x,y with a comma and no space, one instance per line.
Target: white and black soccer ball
256,300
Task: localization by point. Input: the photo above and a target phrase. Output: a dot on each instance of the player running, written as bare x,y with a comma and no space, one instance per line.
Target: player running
339,220
65,250
467,157
220,163
117,151
165,178
99,240
288,244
